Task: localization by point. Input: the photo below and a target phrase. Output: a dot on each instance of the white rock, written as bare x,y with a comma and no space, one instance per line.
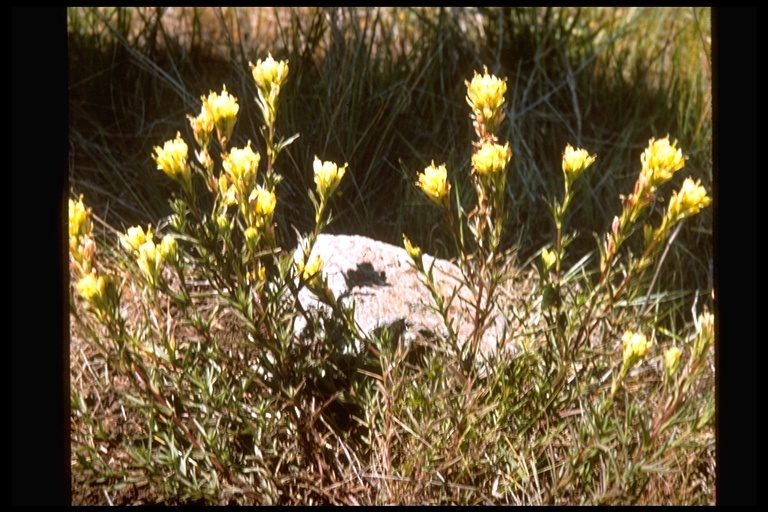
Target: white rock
388,290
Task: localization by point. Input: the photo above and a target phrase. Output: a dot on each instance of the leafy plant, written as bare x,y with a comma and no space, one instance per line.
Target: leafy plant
209,404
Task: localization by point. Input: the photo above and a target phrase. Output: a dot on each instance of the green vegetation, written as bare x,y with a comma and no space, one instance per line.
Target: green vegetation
190,379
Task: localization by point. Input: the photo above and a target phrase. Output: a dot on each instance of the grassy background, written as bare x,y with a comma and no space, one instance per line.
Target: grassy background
383,89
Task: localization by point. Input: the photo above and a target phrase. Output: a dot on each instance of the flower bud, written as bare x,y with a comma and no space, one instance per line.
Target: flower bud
575,161
327,177
548,258
491,159
671,360
172,159
660,161
223,109
434,182
414,252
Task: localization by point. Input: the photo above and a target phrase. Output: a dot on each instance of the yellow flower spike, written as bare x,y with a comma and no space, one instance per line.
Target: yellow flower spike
241,165
86,250
168,248
660,161
172,159
269,76
548,258
706,323
92,288
223,108
309,270
227,190
150,259
80,224
485,94
575,161
327,177
689,201
148,252
207,162
202,128
81,246
414,252
222,225
263,201
259,275
101,292
434,182
135,238
491,159
634,345
252,238
671,360
269,73
705,334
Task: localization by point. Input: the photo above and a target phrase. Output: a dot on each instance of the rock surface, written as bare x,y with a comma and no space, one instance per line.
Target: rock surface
389,291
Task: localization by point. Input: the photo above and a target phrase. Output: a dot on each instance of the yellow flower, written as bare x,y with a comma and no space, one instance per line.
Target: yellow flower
241,164
635,345
81,245
168,248
259,275
689,201
269,73
202,127
223,109
705,335
91,288
227,190
434,182
706,323
575,161
485,94
671,360
135,238
414,252
252,238
222,224
311,270
548,258
269,76
491,159
148,252
313,267
172,159
327,177
80,224
660,161
84,252
263,202
101,292
150,259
